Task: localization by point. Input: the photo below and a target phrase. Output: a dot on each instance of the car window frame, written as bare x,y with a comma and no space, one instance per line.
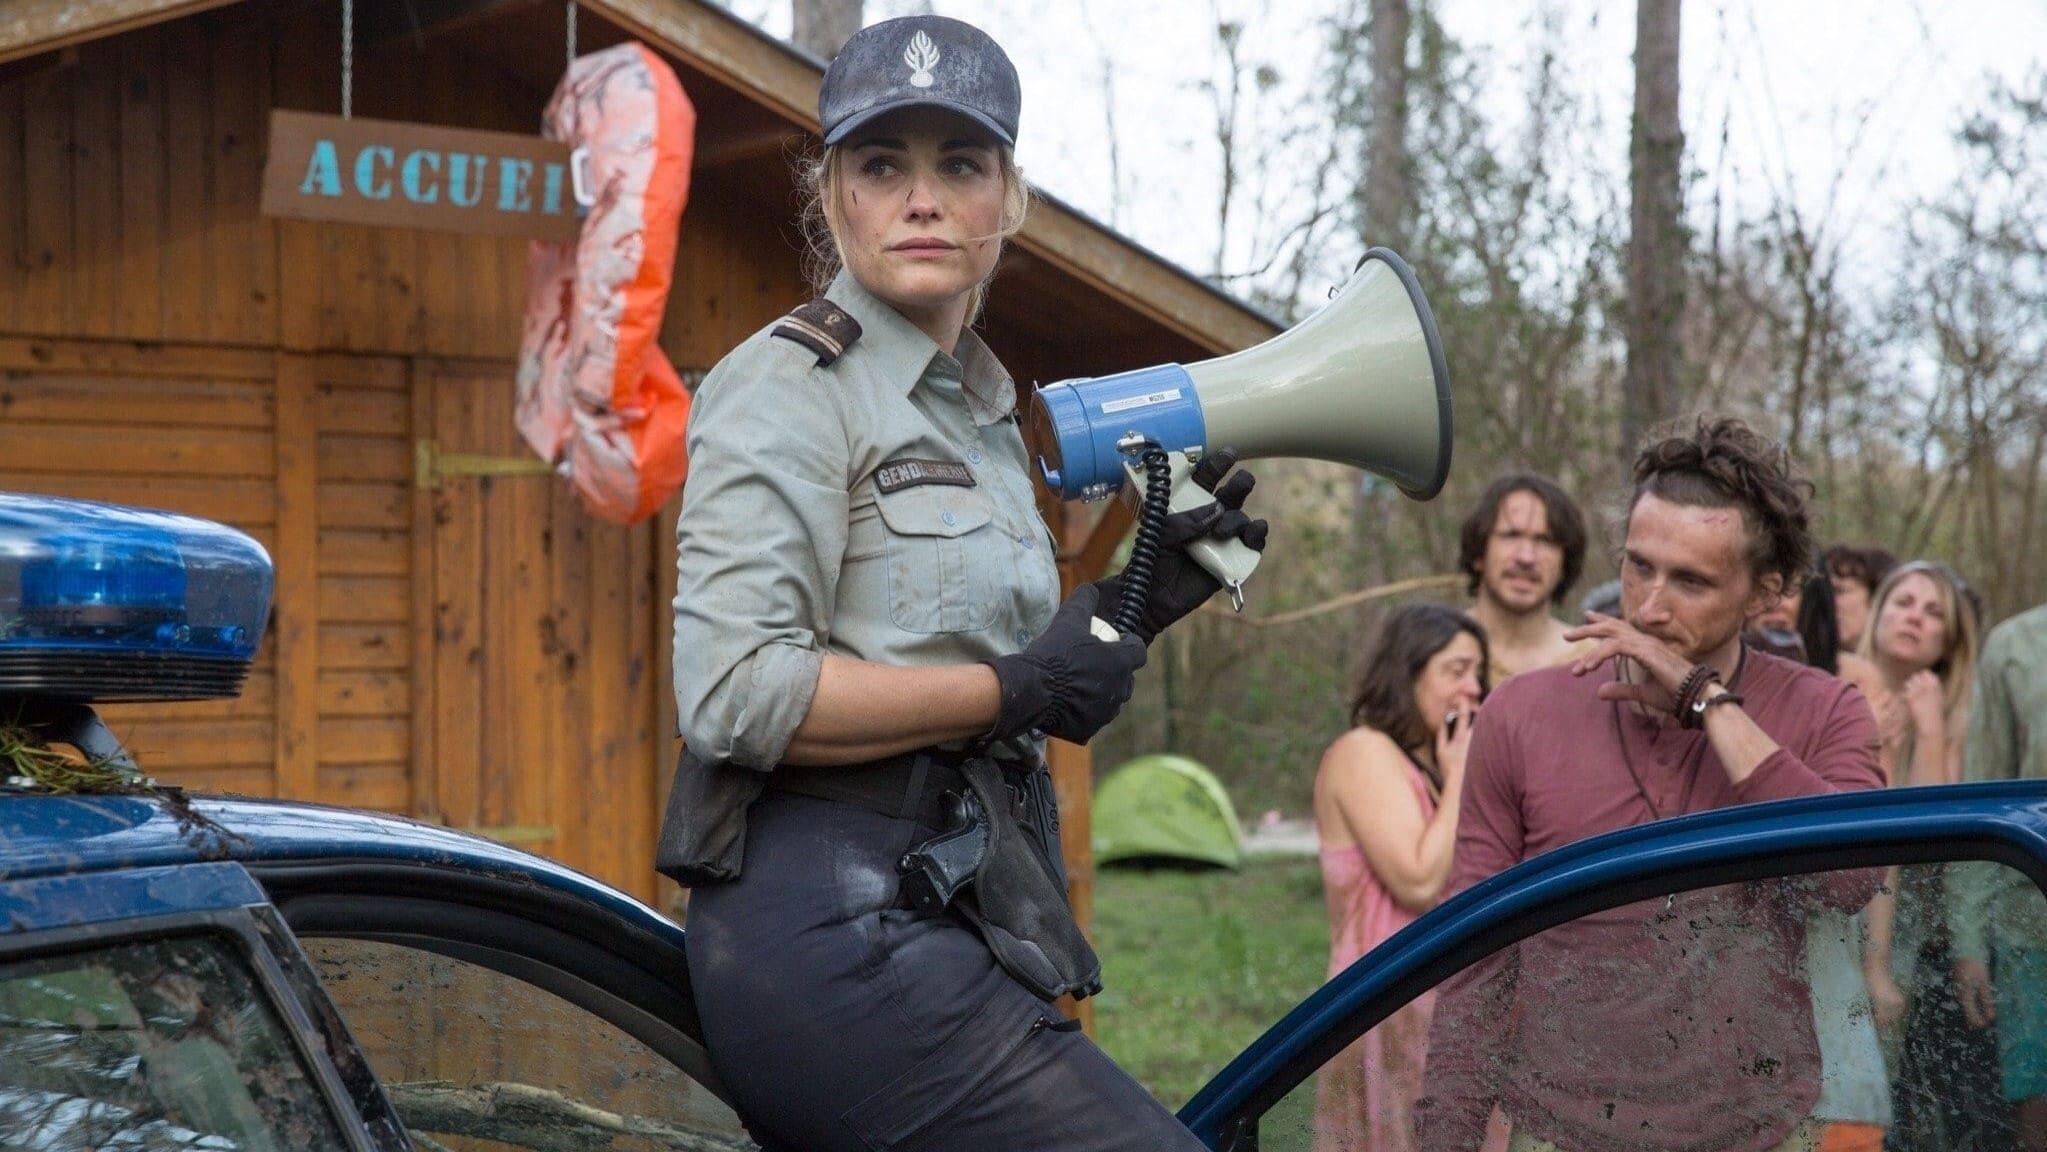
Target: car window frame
549,939
1780,839
238,929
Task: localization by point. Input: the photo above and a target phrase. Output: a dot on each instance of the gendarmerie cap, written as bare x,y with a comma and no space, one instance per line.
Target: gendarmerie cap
919,61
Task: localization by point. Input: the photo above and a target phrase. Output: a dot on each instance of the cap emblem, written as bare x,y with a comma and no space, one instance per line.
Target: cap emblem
922,57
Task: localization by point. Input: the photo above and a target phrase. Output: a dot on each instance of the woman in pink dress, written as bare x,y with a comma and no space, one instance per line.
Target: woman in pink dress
1386,800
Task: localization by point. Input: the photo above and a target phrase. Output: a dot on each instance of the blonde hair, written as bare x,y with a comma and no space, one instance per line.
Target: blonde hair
1957,664
820,180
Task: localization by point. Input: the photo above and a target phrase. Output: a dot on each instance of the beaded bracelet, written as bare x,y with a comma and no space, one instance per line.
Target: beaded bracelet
1687,688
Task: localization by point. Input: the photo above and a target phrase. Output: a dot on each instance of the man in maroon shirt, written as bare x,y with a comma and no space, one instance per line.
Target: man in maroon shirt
1682,1023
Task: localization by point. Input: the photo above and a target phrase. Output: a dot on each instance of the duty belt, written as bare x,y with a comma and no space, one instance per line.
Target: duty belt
910,786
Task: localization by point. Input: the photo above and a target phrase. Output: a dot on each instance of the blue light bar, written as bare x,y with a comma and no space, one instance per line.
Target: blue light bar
99,602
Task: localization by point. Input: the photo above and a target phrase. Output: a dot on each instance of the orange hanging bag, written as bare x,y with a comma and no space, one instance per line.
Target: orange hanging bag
597,396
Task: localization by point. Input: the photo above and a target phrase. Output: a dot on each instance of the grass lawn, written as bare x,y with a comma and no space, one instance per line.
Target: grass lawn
1198,964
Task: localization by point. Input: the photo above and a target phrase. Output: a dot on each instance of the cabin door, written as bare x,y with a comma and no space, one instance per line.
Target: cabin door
543,678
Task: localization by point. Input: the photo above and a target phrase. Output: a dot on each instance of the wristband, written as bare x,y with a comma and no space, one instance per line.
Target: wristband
1725,697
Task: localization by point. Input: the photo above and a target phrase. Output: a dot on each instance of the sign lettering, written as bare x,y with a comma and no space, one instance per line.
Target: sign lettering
403,175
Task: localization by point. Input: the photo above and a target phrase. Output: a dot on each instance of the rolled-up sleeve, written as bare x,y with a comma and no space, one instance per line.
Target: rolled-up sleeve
758,549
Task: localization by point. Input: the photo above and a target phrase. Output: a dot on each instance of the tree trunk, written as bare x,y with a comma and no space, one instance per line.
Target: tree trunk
1656,244
824,26
1386,160
1386,196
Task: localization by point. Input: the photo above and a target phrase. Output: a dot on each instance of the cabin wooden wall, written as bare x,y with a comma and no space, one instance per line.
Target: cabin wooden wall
189,428
478,652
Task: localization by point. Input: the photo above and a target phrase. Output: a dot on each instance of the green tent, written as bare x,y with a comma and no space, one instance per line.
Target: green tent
1166,807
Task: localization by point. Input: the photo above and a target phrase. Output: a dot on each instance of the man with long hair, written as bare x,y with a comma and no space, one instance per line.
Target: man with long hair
1686,1023
1522,549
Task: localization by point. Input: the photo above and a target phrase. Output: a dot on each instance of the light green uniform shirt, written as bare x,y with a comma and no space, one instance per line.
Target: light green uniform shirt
788,548
2007,741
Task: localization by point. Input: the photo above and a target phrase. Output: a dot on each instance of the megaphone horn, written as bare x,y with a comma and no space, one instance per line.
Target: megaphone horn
1361,382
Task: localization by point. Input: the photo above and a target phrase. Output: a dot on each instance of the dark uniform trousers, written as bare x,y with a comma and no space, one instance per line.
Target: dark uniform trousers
842,1021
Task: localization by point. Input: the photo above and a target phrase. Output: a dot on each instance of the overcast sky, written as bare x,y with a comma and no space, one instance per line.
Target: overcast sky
1853,99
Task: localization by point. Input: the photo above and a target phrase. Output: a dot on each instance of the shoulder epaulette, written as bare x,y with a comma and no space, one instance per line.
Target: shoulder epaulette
821,326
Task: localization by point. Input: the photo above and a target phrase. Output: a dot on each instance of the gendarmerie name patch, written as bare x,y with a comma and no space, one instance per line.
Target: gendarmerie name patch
897,475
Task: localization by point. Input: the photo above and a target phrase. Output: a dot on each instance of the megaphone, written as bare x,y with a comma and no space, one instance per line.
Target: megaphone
1361,382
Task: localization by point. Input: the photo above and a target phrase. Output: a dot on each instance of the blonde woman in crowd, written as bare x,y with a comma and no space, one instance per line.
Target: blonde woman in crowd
1922,641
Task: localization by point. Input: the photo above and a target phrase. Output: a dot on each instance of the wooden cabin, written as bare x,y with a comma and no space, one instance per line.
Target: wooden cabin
452,636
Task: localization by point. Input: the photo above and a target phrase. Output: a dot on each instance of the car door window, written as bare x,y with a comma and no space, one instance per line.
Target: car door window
476,1059
1740,1018
152,1045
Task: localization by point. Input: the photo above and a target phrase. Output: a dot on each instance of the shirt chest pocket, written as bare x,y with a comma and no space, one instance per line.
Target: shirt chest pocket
940,575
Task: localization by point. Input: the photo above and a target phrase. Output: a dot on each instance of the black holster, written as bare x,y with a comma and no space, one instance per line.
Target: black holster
1016,900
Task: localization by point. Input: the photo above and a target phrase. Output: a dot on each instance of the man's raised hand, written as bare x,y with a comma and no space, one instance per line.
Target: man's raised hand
1661,671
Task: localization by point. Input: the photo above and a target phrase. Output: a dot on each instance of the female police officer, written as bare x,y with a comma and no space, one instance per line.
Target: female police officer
868,634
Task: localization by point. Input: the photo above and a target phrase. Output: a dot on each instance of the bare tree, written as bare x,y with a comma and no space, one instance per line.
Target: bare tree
1227,99
1386,163
1656,244
1385,191
1245,154
824,26
1109,134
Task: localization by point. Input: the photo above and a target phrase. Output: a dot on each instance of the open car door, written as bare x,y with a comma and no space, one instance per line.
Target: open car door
1721,889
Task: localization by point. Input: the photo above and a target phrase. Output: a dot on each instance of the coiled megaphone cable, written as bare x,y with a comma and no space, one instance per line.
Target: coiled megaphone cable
1144,550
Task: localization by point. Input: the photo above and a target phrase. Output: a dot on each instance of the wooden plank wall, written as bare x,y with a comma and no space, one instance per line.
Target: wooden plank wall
139,170
191,430
363,665
132,187
386,290
543,693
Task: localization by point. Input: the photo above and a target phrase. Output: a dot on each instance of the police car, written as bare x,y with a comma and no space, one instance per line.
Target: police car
211,973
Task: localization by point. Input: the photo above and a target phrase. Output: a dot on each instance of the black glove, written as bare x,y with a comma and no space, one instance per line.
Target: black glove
1067,683
1179,585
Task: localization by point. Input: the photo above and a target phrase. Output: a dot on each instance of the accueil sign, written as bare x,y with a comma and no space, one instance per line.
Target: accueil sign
407,175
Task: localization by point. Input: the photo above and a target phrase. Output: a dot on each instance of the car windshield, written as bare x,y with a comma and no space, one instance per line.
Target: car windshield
151,1045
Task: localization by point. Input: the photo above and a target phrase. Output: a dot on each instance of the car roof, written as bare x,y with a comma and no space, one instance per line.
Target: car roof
42,834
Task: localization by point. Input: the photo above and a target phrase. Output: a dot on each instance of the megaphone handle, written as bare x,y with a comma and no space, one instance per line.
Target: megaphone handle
1103,630
1229,561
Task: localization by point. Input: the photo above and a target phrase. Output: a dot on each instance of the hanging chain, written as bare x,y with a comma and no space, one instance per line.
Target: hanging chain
347,58
572,33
